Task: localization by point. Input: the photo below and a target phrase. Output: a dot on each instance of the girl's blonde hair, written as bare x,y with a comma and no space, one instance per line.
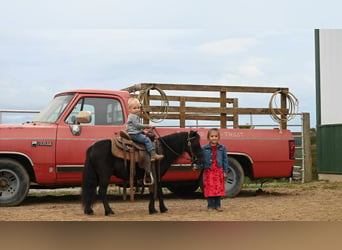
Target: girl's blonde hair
213,130
133,101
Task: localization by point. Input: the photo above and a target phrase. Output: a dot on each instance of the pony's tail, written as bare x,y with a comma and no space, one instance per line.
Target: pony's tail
89,181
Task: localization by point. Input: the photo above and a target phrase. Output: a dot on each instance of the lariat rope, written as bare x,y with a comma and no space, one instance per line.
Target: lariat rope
155,116
278,115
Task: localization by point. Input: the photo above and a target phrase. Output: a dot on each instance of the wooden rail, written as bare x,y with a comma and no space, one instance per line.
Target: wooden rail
201,111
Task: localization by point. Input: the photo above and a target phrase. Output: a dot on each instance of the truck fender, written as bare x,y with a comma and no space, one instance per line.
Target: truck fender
232,154
14,182
16,153
23,159
235,179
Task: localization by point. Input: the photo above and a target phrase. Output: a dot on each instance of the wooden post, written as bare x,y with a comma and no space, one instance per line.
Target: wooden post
236,113
223,105
182,112
307,172
283,124
147,103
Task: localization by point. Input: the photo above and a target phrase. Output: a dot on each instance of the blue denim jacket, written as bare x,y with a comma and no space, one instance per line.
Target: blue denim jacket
221,157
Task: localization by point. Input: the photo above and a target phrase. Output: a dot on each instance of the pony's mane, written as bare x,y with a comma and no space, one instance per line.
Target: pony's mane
181,134
176,134
175,138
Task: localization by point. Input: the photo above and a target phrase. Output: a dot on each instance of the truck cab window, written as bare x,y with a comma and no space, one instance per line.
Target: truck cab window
104,111
54,109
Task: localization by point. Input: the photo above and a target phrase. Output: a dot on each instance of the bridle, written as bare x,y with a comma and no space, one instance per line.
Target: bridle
193,156
189,141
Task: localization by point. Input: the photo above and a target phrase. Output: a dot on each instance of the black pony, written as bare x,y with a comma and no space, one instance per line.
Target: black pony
100,165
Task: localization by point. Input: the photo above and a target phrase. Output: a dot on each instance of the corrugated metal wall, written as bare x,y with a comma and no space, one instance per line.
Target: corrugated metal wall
329,149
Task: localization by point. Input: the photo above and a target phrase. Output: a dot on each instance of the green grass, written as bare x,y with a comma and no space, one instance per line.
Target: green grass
273,184
307,188
53,192
332,186
293,185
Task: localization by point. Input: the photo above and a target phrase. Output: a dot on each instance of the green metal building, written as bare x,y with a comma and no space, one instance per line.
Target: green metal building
328,52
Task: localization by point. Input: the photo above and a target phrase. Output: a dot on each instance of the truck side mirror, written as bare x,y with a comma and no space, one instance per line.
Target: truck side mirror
84,116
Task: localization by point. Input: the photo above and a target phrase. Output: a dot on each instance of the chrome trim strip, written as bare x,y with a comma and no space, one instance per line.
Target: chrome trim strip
17,153
235,153
69,168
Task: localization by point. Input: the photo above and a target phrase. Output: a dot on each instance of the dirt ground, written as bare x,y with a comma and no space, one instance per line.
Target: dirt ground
315,201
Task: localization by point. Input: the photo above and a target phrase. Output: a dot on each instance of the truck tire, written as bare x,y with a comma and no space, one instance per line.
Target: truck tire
183,188
14,183
235,179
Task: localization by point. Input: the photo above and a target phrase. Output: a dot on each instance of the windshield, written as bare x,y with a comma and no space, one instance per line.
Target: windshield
54,109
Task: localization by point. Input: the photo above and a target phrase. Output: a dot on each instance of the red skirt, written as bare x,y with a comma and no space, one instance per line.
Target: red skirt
213,182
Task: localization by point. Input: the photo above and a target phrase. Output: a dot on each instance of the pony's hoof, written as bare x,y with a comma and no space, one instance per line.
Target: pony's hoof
89,212
109,213
153,212
164,210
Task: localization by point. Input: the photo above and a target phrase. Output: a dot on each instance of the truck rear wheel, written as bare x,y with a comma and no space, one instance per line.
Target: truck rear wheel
234,181
14,183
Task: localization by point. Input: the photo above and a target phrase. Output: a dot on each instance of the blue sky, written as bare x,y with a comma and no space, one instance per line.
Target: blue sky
51,46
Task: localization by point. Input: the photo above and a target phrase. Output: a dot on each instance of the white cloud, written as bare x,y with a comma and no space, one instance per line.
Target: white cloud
249,70
252,68
228,46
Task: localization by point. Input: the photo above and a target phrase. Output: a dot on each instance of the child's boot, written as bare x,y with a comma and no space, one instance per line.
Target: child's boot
155,156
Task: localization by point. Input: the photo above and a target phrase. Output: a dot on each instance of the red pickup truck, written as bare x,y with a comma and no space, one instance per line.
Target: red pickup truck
50,150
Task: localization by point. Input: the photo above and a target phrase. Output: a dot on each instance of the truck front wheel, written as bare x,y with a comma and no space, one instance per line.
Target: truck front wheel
14,183
234,181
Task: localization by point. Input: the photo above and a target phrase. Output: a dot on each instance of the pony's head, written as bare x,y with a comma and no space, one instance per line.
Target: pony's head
194,147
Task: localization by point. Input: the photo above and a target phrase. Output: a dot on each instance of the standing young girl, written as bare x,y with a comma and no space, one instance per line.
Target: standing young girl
215,170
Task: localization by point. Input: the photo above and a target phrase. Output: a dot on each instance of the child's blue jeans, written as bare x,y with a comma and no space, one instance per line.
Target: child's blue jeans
143,139
214,202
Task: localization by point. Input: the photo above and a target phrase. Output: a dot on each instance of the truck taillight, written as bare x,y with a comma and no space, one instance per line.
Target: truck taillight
292,149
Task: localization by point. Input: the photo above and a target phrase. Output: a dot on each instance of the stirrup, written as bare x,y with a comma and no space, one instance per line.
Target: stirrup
146,183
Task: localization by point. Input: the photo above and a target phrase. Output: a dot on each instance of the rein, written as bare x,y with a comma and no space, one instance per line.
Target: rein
193,157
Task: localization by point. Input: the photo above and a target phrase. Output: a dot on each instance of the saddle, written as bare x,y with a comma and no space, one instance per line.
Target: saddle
123,147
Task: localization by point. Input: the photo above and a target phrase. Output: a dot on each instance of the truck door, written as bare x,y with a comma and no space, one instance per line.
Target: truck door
107,120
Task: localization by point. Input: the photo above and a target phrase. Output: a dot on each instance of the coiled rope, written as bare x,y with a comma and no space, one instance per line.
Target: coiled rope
276,114
161,110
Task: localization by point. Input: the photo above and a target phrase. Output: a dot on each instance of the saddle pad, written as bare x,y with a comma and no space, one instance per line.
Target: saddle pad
121,148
